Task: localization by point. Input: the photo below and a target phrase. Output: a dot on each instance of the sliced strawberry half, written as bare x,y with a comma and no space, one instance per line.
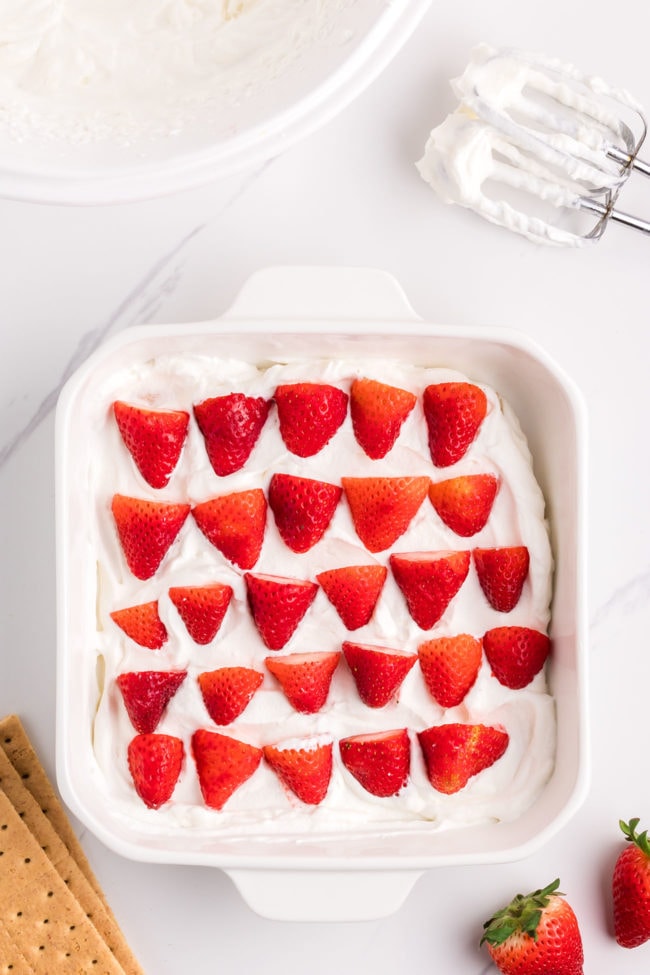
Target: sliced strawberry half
429,581
303,509
231,426
223,764
464,503
353,591
155,763
146,694
278,604
146,530
306,771
378,671
227,691
154,438
235,525
378,412
454,413
142,624
305,678
502,573
450,666
309,414
454,753
516,654
202,608
382,508
380,761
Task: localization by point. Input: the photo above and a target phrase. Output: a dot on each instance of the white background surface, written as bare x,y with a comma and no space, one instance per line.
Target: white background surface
350,195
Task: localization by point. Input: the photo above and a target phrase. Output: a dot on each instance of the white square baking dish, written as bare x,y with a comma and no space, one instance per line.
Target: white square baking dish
321,312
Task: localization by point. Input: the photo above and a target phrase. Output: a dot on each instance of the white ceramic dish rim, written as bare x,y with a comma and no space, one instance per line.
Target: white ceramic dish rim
252,147
356,303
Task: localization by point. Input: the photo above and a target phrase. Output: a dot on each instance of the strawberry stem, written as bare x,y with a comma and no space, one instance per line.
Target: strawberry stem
639,839
522,914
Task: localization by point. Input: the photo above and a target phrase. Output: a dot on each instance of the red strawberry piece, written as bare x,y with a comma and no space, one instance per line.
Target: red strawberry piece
464,503
631,888
309,414
223,764
454,413
278,604
450,666
231,426
303,509
502,573
429,581
382,508
378,671
305,771
515,654
235,524
154,438
146,530
155,763
202,608
353,591
305,678
453,753
378,412
227,691
536,934
146,694
379,761
142,624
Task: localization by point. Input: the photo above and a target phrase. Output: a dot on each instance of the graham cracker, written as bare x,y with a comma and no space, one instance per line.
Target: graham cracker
12,960
27,787
39,916
15,742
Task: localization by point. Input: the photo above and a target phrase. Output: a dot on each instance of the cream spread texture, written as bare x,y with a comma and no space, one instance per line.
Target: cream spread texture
262,805
111,69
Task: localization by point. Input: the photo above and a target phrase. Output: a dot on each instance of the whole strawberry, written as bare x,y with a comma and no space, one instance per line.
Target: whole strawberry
536,934
631,888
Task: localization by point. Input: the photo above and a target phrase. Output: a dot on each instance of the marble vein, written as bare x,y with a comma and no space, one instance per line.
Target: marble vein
138,306
632,597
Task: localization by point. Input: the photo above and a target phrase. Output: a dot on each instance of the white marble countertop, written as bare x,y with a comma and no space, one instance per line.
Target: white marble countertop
349,195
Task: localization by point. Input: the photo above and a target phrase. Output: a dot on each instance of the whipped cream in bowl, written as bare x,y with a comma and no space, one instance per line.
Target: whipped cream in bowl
103,102
503,809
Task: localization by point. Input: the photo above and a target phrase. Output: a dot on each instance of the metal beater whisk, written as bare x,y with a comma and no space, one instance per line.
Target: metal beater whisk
528,128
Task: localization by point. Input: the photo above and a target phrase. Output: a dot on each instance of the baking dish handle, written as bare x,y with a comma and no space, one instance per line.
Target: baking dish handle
325,895
321,293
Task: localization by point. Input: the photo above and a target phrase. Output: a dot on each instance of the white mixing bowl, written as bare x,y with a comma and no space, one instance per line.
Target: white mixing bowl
307,93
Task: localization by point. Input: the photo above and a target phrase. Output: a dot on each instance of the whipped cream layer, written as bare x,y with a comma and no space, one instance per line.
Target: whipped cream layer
261,805
95,70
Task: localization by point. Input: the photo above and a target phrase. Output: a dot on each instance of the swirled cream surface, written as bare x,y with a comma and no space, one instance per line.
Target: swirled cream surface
262,805
96,70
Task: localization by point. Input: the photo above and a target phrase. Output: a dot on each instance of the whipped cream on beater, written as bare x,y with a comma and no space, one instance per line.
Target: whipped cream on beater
529,129
262,805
